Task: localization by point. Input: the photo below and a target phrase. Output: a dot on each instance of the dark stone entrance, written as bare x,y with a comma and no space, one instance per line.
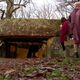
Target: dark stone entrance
33,43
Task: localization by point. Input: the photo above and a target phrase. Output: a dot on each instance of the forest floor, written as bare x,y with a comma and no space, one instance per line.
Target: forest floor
56,68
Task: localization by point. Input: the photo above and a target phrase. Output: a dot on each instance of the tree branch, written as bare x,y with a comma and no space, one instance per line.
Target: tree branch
19,5
3,11
15,9
19,2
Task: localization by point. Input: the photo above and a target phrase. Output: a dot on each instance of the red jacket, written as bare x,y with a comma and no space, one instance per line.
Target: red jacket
64,31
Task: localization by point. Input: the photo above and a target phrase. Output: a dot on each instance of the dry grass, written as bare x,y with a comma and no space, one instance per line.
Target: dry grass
26,26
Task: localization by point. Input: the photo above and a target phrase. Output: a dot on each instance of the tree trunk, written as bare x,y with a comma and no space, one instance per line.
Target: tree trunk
10,7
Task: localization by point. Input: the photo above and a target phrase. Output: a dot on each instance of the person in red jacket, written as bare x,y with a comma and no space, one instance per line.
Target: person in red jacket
64,28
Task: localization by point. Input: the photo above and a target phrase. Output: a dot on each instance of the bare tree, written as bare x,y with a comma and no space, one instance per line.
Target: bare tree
12,7
65,7
37,11
45,12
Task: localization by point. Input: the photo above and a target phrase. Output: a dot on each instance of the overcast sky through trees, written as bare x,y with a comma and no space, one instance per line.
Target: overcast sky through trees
36,8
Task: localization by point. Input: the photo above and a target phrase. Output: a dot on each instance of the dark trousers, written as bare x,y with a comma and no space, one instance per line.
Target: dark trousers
63,46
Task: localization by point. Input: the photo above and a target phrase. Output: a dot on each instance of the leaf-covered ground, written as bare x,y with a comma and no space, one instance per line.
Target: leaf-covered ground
40,69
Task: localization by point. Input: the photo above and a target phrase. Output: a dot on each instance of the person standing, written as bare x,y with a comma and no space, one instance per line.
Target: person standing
64,29
75,23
